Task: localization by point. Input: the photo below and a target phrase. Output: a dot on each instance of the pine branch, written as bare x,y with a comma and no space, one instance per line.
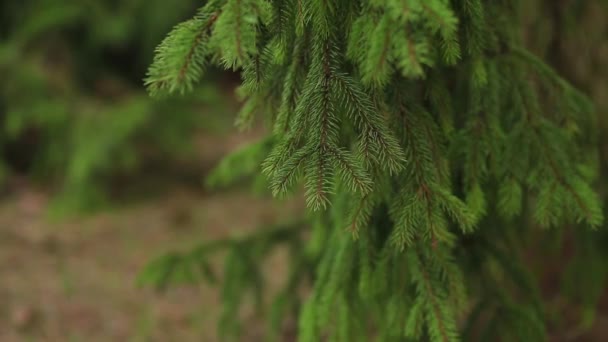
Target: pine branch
435,306
375,132
197,41
442,16
594,217
441,327
375,126
354,174
180,57
360,216
286,176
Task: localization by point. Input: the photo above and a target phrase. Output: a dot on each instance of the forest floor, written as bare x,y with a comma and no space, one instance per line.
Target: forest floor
75,281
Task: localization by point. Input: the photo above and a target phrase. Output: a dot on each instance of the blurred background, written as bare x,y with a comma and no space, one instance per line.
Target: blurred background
96,178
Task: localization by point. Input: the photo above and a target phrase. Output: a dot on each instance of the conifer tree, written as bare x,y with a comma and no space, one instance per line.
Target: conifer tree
431,146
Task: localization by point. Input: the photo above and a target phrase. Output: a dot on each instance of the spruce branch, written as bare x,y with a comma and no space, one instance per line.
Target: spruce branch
442,17
353,173
180,58
291,89
442,326
319,183
411,157
360,215
591,210
376,64
235,33
510,196
412,52
376,136
286,176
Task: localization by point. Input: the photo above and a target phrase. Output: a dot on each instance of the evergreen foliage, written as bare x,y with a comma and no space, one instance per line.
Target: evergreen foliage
431,146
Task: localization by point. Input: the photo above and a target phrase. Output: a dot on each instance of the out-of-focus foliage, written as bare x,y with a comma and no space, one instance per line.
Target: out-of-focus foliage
73,113
574,37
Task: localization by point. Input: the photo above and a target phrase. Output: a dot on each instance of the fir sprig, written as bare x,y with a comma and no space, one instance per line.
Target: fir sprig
420,128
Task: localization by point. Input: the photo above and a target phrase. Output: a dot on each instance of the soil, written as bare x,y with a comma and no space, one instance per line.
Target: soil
74,280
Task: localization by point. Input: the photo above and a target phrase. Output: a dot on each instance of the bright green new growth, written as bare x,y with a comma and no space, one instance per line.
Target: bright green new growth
422,128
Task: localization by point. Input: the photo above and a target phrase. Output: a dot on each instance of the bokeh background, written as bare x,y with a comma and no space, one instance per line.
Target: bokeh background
96,178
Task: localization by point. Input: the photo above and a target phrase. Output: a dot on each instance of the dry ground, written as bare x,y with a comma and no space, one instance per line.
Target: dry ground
75,281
